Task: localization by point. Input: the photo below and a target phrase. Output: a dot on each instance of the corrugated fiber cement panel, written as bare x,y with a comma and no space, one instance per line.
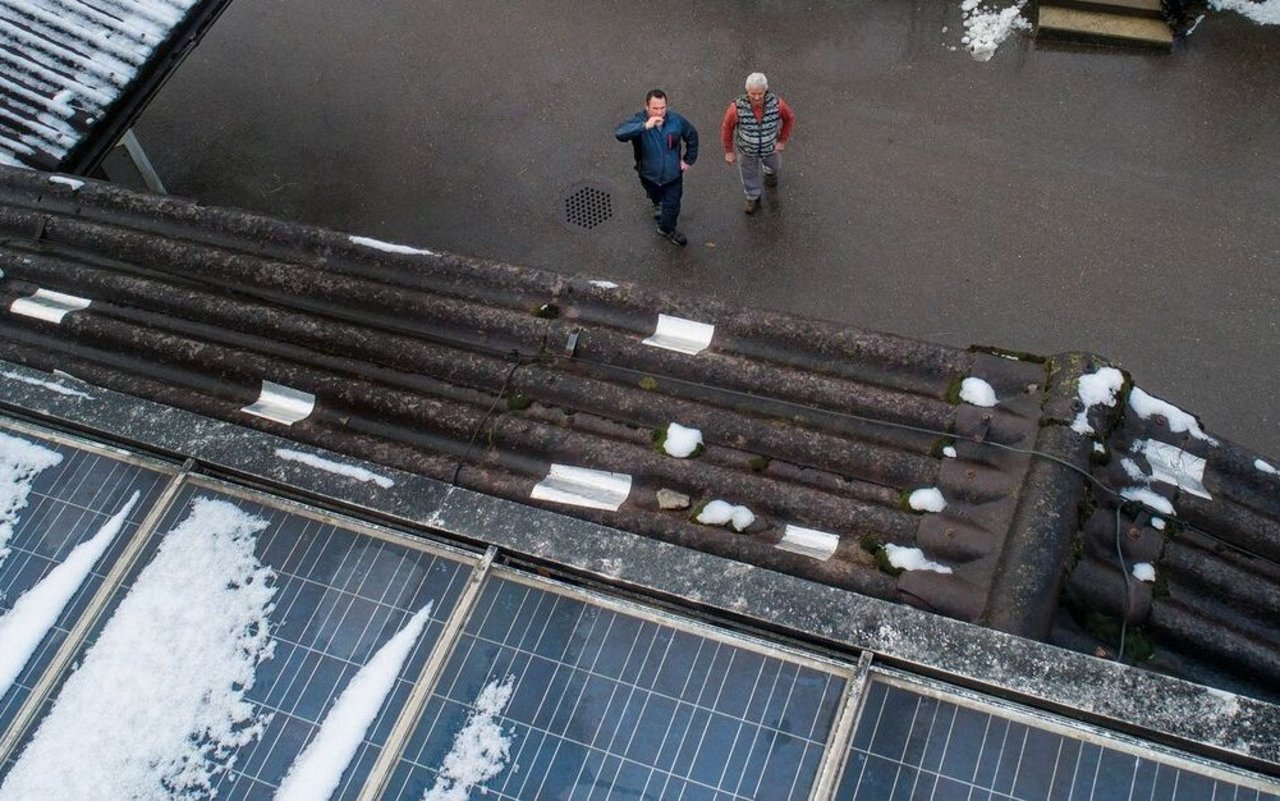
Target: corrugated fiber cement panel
70,495
607,704
911,745
343,592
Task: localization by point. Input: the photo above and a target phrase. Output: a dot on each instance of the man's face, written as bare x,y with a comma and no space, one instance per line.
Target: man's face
657,107
756,96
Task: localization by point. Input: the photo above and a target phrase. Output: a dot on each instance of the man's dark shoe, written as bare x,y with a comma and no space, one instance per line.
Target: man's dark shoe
657,210
674,235
770,179
750,205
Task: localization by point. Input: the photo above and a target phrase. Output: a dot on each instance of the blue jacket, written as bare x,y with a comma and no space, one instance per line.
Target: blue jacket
659,149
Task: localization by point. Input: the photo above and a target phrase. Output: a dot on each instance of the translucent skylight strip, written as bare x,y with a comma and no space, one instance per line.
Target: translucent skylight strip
48,305
683,336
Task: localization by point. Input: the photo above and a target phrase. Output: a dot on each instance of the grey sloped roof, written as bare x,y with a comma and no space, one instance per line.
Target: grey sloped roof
71,68
489,376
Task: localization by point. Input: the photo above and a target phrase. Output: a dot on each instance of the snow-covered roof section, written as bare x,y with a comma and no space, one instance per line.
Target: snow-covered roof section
67,64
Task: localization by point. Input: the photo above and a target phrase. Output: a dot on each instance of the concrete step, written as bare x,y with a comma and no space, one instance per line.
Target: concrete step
1132,8
1092,27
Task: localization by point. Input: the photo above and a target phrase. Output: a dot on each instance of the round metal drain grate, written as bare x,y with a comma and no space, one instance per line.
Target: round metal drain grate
586,207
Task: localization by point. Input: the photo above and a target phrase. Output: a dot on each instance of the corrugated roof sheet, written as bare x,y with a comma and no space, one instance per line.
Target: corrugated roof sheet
67,64
497,378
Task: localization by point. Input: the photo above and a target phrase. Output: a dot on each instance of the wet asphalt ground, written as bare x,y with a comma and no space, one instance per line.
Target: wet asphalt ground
1054,198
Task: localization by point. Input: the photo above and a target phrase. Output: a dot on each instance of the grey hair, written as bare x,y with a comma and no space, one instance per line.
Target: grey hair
756,80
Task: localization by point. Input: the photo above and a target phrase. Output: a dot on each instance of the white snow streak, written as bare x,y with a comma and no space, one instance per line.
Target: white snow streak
389,247
480,750
20,460
50,385
316,772
71,182
1179,421
36,612
1143,495
1265,467
329,466
158,706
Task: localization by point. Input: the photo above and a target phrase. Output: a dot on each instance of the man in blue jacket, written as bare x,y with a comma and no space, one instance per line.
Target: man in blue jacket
666,145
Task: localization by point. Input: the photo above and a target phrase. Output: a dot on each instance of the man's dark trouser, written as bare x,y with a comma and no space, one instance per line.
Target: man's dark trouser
668,197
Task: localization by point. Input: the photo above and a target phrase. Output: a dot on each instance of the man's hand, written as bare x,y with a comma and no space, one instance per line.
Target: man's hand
780,146
684,166
651,122
730,157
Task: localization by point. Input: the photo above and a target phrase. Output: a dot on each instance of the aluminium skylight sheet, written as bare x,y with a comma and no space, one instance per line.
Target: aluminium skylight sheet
67,504
343,592
915,745
607,702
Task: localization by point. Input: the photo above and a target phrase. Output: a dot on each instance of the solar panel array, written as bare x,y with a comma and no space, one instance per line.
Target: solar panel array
68,504
608,699
911,745
608,704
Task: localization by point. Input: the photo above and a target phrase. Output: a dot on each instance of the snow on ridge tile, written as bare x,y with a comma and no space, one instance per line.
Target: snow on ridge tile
977,392
603,284
1265,467
927,499
582,486
1175,466
390,247
1144,571
48,305
480,750
20,461
1094,389
317,771
37,610
159,702
337,468
1145,406
681,442
680,335
905,558
282,404
49,385
820,545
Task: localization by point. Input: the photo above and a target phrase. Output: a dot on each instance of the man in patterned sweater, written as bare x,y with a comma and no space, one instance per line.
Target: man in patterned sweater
754,132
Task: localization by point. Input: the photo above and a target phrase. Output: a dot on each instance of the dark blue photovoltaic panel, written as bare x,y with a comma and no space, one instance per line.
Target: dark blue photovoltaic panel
68,504
342,594
912,746
609,705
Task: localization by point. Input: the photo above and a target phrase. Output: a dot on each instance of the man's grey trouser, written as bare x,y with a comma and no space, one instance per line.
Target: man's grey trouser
749,167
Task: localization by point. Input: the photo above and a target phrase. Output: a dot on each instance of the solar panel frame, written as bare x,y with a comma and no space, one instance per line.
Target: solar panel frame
904,760
538,656
325,652
60,517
